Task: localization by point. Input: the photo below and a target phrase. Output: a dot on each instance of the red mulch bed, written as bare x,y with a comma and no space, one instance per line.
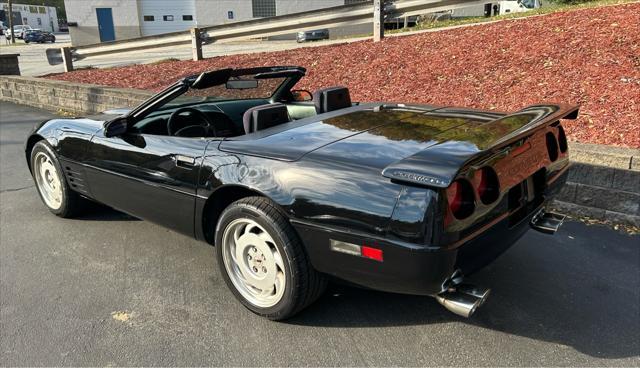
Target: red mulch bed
589,57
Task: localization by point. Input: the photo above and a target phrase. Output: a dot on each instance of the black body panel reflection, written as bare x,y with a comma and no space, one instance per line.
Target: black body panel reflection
373,174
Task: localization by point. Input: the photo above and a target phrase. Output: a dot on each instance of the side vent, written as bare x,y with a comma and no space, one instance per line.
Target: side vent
75,177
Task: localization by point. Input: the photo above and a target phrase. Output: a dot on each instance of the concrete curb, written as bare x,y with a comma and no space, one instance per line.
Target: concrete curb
602,155
603,183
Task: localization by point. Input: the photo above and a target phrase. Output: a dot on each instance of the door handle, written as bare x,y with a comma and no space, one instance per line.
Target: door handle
184,161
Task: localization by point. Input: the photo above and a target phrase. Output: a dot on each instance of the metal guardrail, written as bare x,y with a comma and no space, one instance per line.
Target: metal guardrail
344,15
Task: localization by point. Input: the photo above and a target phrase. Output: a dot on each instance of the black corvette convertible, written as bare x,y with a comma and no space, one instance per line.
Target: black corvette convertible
295,188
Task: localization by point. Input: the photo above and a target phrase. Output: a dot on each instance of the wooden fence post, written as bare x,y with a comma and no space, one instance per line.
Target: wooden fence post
378,20
66,59
196,44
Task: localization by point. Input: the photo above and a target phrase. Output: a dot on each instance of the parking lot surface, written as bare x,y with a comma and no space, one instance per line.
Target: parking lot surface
107,289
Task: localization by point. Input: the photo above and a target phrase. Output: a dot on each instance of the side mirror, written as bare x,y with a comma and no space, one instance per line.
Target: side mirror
116,127
301,95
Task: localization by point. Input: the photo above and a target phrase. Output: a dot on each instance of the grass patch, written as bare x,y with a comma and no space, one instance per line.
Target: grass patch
547,8
162,61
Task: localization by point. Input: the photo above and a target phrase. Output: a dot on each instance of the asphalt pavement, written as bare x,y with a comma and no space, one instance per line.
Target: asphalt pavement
108,289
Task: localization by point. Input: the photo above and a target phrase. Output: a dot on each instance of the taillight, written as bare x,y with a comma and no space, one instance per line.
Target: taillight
461,199
487,185
562,139
552,146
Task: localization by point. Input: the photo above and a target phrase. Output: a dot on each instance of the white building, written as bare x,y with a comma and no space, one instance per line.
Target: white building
37,16
93,21
500,7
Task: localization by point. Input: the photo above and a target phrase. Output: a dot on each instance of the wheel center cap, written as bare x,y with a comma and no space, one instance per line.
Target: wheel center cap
257,261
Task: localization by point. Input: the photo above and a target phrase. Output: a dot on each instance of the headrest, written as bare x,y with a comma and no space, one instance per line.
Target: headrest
332,98
264,116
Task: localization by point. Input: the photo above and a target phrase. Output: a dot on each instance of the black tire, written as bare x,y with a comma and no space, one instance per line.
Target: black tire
72,203
304,284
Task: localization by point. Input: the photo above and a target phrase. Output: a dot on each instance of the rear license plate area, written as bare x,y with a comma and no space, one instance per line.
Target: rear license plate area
526,196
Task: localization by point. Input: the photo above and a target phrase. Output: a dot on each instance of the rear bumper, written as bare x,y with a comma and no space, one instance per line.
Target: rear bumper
413,268
407,268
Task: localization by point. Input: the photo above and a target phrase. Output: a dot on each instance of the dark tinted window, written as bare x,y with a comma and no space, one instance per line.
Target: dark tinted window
149,18
187,17
263,8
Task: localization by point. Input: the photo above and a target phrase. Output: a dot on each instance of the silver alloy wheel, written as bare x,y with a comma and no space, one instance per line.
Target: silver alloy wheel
253,262
47,180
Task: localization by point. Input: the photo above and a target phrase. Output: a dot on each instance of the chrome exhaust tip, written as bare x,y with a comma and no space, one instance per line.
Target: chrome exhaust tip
479,292
459,303
546,222
463,299
460,298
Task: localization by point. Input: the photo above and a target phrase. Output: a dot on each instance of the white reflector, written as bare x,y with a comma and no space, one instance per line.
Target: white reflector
342,247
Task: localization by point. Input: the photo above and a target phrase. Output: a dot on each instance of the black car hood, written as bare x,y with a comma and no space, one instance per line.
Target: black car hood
79,125
373,135
83,126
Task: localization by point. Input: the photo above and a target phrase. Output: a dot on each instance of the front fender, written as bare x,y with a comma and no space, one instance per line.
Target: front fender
40,131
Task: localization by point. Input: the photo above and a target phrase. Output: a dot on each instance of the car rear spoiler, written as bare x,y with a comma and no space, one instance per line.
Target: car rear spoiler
439,164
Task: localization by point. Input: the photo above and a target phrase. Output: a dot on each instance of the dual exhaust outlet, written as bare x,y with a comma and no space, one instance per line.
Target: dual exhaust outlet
462,299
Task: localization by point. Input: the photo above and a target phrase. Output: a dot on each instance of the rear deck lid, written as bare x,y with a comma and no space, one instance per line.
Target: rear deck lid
438,164
291,141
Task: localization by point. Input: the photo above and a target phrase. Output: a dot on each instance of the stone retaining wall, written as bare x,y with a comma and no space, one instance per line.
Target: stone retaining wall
604,181
76,98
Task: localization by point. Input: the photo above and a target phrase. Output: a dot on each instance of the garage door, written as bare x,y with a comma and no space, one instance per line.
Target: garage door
162,16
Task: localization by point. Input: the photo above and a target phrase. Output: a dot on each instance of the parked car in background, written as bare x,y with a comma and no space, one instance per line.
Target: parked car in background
18,30
39,36
496,8
318,34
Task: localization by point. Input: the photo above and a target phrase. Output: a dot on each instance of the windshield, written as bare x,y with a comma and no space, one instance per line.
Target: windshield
530,4
260,84
257,89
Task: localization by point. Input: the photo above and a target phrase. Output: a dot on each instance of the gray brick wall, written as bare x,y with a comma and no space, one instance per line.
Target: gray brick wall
75,98
603,183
